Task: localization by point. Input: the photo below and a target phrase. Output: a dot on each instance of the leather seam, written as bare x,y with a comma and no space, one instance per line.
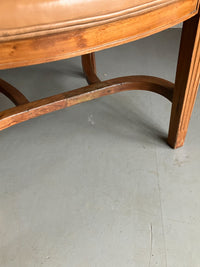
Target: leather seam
7,35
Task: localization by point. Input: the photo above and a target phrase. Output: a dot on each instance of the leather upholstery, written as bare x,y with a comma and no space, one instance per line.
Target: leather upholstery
27,18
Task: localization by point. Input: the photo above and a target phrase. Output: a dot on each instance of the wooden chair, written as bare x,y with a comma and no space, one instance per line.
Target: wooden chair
38,31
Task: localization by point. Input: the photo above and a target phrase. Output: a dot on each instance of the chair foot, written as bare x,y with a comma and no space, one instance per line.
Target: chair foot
187,82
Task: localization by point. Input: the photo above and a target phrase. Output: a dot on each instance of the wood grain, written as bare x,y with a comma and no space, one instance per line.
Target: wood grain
187,82
85,41
40,107
78,42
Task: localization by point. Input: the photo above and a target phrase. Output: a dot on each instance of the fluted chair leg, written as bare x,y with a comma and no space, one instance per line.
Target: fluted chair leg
187,82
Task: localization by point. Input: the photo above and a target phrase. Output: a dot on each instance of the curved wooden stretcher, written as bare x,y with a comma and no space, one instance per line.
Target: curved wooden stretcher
25,44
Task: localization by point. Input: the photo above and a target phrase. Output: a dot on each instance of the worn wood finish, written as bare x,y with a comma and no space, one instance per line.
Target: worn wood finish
89,68
187,82
80,41
12,93
86,40
40,107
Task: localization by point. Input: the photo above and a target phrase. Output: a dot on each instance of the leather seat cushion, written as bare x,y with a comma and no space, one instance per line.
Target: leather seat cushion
28,18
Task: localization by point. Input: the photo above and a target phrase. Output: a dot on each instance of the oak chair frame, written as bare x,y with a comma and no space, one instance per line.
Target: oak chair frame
86,42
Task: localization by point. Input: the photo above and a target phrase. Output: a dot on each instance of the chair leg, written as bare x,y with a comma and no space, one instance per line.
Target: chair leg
186,83
89,68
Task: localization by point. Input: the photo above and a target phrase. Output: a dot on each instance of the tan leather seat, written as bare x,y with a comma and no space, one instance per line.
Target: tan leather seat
28,18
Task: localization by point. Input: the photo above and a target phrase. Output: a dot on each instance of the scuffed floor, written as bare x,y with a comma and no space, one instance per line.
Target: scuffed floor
95,185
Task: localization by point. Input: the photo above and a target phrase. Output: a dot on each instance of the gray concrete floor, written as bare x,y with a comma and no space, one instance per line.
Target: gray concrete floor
95,185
